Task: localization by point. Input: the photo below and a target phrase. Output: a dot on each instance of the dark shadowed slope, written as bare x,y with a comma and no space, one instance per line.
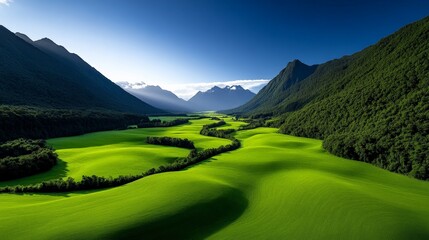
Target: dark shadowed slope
217,98
372,106
24,37
46,75
278,89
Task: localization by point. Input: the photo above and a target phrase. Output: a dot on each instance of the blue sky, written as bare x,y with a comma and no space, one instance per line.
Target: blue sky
182,43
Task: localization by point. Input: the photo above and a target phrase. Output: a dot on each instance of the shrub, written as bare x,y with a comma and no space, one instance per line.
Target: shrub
24,157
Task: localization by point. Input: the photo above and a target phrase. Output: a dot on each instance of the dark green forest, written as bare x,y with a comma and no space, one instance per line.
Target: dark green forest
372,106
35,123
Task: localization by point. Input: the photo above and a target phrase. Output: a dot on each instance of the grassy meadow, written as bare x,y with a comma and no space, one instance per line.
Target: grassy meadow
274,187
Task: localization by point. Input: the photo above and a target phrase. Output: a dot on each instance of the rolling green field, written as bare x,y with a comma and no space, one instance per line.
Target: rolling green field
274,187
115,153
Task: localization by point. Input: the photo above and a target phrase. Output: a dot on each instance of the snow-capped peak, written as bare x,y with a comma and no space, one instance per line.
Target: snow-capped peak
233,87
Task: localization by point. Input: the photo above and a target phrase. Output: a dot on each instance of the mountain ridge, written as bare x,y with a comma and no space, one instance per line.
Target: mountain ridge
153,95
268,96
156,96
34,76
217,98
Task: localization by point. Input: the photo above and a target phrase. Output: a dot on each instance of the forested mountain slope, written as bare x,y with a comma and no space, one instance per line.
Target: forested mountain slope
372,106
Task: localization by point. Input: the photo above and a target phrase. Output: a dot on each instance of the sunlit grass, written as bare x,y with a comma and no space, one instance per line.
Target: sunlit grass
274,187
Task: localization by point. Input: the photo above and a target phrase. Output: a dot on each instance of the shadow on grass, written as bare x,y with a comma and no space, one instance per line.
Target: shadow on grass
194,222
58,171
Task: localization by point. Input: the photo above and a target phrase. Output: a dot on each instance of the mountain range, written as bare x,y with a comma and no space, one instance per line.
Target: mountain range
218,98
371,106
157,97
44,74
213,99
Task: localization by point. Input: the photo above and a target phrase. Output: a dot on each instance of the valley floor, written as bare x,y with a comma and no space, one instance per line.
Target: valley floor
274,187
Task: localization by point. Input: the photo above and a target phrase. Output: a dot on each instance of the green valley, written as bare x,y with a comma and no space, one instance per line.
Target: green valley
274,186
170,119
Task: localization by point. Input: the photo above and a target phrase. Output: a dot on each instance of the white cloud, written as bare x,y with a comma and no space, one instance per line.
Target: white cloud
188,90
129,85
6,2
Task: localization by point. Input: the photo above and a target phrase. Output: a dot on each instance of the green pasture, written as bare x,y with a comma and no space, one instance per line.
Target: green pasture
114,153
274,187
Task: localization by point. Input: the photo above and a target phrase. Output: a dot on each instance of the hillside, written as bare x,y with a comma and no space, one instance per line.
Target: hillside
218,98
44,74
157,97
371,106
297,190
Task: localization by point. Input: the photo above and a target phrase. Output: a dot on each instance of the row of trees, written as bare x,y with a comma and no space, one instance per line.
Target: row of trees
223,133
23,157
169,141
70,184
147,123
253,123
97,182
210,130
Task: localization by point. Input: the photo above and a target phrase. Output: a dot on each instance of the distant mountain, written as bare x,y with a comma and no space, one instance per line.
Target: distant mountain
371,106
211,100
217,98
157,97
44,74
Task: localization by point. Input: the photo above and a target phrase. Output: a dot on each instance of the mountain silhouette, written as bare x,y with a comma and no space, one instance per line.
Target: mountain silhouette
217,98
157,97
44,74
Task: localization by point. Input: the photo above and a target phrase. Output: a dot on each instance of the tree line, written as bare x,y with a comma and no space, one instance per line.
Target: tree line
42,123
169,141
147,123
252,123
210,130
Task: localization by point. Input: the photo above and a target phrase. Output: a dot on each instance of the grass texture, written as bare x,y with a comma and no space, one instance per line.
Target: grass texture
274,187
